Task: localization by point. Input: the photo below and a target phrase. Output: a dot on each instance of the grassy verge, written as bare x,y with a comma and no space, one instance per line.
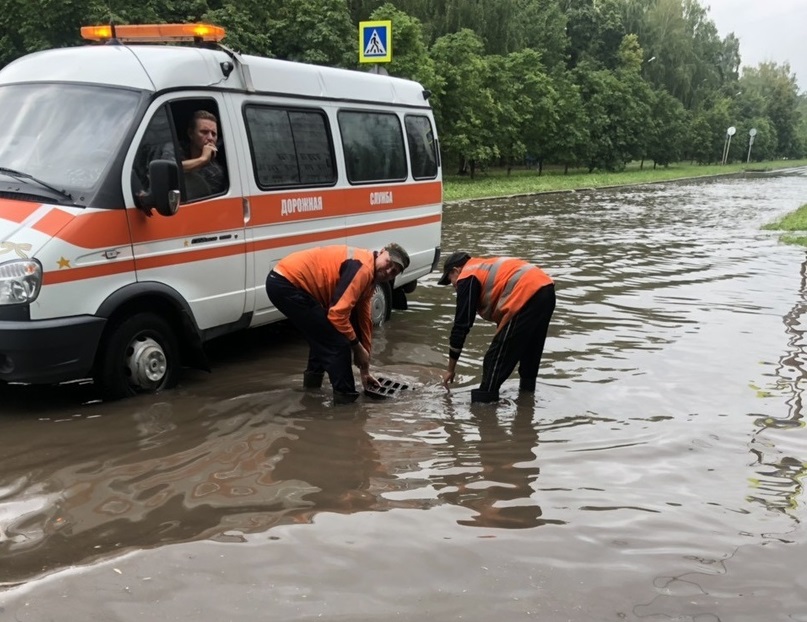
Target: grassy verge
496,182
794,225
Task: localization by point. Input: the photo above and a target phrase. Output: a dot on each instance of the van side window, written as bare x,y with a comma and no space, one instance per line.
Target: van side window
188,132
201,148
290,147
157,144
373,145
422,150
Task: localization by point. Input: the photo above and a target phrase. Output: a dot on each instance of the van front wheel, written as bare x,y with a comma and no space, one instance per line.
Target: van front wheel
140,355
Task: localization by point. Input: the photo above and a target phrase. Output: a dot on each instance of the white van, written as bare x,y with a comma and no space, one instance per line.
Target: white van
92,138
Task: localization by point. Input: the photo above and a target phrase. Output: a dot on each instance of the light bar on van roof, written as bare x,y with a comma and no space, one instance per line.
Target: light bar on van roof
154,33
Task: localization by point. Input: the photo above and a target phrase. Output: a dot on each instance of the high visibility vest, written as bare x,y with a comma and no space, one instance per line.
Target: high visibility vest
320,271
507,285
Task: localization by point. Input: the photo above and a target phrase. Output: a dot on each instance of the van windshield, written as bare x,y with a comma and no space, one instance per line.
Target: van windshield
63,135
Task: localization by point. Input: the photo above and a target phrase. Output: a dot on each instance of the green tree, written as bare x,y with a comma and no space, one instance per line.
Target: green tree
313,31
31,25
710,123
246,25
360,10
410,58
595,31
526,102
765,141
630,54
683,52
568,141
541,26
801,128
776,86
667,129
42,24
465,106
700,147
618,107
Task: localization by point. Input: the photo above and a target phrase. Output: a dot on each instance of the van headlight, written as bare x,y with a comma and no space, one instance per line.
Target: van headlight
20,281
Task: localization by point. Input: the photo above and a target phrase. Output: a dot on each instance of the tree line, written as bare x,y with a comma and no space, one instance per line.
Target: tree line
575,83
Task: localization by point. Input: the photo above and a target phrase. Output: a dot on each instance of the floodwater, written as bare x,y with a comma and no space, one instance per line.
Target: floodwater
657,474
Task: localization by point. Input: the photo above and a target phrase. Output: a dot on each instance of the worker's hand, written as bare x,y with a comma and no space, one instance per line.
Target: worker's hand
208,152
367,381
361,357
448,378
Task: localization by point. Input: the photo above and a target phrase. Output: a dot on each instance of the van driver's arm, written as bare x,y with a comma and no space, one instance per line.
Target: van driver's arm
192,164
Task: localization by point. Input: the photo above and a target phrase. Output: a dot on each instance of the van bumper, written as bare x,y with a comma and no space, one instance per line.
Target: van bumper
49,351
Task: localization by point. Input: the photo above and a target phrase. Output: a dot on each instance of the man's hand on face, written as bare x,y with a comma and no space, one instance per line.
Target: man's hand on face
209,151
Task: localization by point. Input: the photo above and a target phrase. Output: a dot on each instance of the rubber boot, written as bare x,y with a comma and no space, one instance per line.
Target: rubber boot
340,397
526,386
484,397
313,379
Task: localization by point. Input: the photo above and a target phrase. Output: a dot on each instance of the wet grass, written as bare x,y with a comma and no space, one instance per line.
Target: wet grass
795,226
497,183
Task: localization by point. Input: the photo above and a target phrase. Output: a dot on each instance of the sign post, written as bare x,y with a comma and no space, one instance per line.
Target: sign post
751,133
727,145
375,43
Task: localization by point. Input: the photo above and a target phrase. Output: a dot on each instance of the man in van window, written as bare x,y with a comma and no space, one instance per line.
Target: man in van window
204,176
326,292
519,298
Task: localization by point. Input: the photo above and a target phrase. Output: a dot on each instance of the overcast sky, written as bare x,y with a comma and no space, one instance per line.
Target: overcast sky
768,30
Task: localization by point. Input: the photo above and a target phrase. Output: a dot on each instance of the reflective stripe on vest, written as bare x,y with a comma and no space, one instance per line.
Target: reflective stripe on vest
508,288
486,298
490,309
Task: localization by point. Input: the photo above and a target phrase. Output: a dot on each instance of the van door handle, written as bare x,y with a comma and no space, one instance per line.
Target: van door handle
247,209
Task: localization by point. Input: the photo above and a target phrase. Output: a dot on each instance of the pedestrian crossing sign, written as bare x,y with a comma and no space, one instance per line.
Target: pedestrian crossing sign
375,42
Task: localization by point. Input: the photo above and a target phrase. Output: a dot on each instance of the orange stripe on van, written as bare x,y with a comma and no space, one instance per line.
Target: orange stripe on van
105,229
109,228
202,254
17,211
92,230
311,238
329,202
53,222
204,217
52,277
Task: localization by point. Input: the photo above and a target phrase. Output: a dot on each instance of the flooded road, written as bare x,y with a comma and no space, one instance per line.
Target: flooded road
657,474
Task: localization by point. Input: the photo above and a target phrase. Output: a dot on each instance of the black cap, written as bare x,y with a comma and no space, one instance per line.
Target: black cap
454,260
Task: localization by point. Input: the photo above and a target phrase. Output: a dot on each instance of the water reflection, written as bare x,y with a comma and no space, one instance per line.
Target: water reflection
242,465
490,467
780,480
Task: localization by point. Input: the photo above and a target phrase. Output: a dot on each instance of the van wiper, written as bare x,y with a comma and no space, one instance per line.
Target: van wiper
21,175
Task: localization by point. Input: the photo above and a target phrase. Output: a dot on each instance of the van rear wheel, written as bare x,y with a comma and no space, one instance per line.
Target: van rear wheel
140,355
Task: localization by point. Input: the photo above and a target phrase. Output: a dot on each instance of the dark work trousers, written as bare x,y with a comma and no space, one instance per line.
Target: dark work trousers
520,342
330,350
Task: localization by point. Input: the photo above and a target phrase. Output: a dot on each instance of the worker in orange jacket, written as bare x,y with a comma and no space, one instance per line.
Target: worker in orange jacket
326,292
519,298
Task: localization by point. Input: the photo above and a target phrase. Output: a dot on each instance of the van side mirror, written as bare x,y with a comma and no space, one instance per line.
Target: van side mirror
165,190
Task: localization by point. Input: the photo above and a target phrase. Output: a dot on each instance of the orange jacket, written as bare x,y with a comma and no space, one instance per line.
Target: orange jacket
341,279
506,285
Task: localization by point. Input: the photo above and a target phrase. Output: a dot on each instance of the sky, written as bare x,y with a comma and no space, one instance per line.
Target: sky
768,30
